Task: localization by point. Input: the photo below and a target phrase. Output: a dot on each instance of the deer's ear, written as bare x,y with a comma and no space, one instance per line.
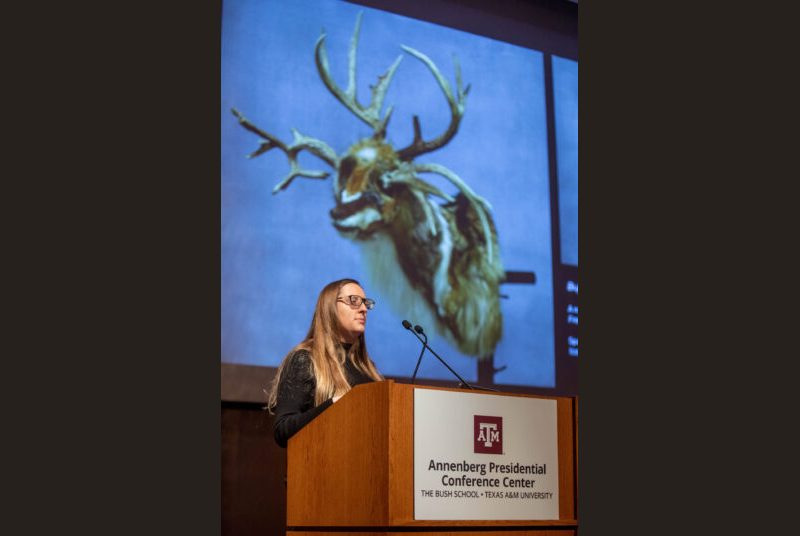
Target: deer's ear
346,167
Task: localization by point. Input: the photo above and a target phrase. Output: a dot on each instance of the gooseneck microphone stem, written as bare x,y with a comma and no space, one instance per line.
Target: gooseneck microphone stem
418,329
446,365
407,325
414,376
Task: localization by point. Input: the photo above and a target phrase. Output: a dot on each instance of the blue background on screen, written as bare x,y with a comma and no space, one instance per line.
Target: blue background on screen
565,90
278,251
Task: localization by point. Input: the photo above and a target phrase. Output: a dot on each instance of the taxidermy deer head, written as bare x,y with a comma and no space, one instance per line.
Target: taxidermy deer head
445,247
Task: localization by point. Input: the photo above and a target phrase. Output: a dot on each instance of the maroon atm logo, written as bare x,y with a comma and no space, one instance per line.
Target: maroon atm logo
488,434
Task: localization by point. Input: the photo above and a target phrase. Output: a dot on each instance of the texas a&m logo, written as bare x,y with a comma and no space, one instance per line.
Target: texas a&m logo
488,434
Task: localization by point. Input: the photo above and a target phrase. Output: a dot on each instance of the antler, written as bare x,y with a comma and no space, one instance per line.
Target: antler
406,173
371,114
316,147
481,205
456,103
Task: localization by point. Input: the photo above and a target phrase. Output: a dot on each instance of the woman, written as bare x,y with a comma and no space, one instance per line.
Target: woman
330,361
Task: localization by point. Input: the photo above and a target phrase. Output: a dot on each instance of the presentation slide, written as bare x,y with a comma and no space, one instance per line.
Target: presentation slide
410,156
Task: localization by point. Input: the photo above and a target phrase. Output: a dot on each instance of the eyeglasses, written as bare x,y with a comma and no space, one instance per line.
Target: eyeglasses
356,301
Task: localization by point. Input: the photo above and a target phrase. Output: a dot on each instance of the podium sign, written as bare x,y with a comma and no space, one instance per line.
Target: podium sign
479,456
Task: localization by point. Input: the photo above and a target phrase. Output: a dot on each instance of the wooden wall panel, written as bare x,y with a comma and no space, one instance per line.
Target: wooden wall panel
253,473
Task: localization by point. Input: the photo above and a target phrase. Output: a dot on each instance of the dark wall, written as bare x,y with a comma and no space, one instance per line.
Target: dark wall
547,25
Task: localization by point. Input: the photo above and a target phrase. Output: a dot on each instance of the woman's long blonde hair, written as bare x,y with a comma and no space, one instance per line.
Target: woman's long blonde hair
327,354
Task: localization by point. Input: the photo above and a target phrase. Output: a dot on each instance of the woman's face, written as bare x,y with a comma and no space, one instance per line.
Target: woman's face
352,319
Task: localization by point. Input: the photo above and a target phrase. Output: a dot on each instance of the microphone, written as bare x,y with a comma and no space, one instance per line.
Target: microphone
417,331
407,325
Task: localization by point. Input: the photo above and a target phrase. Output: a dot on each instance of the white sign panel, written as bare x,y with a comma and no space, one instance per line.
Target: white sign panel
484,457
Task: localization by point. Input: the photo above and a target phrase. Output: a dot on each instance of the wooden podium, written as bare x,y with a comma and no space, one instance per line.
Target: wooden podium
351,470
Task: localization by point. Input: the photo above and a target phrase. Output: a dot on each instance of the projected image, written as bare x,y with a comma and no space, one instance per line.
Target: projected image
356,143
565,91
